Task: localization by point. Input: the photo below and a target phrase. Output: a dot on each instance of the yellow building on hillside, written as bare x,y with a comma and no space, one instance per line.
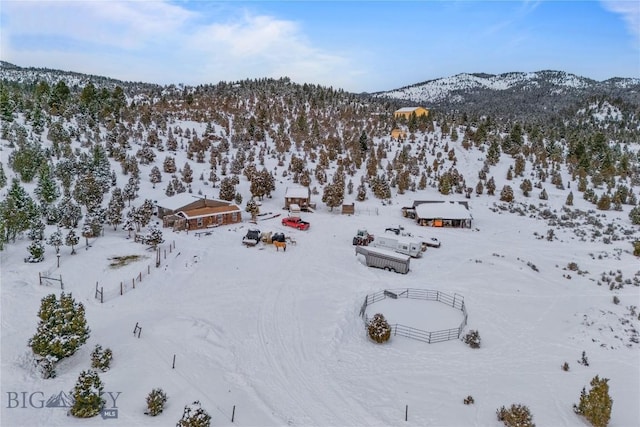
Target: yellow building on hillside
407,111
398,134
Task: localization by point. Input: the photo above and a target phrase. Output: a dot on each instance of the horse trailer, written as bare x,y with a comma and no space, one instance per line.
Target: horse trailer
385,259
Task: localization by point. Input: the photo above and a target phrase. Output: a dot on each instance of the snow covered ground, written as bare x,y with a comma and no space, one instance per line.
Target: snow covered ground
278,336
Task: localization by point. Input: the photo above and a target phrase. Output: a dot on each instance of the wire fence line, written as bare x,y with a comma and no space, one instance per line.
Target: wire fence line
456,301
103,293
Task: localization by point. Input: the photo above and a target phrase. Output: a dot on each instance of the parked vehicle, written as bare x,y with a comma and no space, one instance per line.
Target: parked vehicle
385,259
407,247
431,242
252,237
362,238
394,230
296,222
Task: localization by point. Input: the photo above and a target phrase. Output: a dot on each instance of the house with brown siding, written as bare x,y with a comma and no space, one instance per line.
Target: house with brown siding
198,213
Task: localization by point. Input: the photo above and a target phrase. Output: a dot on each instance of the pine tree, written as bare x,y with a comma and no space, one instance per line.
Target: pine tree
569,201
154,237
253,208
55,240
544,195
19,211
526,187
506,195
596,405
332,196
3,176
72,240
36,251
87,395
491,187
361,196
155,176
634,215
169,164
47,190
227,189
187,173
604,203
517,415
379,329
69,213
155,402
194,416
62,328
101,358
115,208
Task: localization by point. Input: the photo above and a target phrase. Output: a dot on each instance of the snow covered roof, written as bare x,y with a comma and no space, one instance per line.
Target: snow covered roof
407,109
208,211
179,200
297,192
444,210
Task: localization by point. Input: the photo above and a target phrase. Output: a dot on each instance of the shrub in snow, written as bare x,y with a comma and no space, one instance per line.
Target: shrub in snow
468,400
516,416
47,367
472,339
36,252
101,359
596,405
62,328
583,360
194,416
87,395
636,248
155,402
379,329
565,366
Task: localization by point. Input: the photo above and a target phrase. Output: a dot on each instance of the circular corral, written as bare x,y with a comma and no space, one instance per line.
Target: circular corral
421,314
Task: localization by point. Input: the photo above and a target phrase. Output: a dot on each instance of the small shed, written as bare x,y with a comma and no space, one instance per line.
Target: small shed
300,196
349,209
437,213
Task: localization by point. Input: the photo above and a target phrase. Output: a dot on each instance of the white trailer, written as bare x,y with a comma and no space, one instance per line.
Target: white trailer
385,259
407,247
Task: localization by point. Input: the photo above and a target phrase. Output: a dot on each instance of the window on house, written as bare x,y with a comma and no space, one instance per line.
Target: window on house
200,223
219,219
234,217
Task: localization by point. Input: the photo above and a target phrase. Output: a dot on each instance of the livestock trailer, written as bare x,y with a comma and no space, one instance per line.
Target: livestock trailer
385,259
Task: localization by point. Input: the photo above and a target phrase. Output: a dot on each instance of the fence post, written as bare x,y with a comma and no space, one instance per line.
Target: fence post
120,288
134,282
40,278
148,269
233,413
173,366
406,412
61,284
101,294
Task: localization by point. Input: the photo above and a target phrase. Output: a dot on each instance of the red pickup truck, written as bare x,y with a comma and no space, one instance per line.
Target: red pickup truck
296,222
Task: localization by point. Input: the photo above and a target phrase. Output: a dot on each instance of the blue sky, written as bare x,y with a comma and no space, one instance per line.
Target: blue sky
354,45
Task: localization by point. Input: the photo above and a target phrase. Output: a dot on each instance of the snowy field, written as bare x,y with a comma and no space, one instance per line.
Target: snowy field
278,336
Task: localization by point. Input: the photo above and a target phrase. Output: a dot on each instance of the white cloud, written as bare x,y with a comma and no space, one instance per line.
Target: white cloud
124,25
172,43
630,11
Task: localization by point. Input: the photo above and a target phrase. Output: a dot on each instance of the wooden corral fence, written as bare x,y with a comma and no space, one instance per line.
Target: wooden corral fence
456,301
366,211
45,279
125,286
